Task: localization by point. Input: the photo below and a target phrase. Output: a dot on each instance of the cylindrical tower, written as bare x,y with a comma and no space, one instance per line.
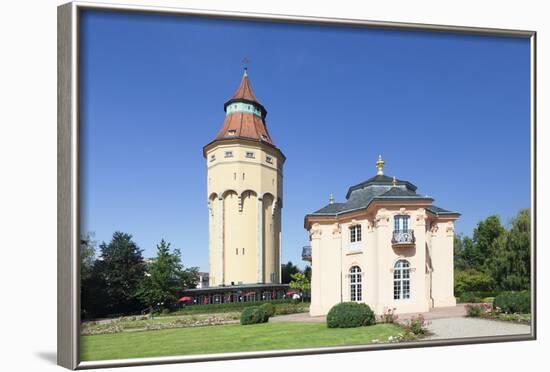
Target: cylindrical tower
245,193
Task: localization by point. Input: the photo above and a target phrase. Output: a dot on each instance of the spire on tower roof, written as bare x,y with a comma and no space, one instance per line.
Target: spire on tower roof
245,89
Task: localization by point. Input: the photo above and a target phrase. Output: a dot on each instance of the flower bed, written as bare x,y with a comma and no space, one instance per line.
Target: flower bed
129,324
488,311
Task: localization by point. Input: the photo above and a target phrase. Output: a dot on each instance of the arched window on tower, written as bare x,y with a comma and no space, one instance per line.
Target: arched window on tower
402,280
355,281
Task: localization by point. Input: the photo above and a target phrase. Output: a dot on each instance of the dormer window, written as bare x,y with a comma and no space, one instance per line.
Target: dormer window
231,132
229,154
250,155
355,234
264,137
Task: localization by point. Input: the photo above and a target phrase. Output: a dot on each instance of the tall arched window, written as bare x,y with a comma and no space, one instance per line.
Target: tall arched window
402,280
355,283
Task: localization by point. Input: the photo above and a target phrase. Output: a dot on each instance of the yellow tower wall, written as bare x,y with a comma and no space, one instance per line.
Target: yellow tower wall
245,200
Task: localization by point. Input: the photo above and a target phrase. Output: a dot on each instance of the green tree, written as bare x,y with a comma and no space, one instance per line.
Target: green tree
510,261
301,283
121,268
92,293
189,278
485,235
164,277
287,270
307,272
87,256
472,281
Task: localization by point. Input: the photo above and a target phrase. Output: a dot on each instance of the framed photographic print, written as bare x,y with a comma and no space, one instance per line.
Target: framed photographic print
238,185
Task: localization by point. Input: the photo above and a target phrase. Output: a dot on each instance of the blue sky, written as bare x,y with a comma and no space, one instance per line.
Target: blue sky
450,113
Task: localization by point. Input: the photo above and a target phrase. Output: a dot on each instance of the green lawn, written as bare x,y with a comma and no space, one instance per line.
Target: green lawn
228,338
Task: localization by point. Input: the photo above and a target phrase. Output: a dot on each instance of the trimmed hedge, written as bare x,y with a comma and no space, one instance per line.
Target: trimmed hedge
269,309
514,302
350,314
254,315
227,307
474,297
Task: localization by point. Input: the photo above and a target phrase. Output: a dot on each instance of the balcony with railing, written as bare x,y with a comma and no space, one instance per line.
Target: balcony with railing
403,238
306,253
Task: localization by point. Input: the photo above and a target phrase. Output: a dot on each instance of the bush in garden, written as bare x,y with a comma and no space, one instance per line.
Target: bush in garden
478,309
472,281
417,325
254,315
469,297
513,302
350,314
389,316
269,309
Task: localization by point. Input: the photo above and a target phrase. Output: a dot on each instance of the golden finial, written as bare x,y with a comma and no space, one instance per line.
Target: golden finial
394,182
331,199
380,166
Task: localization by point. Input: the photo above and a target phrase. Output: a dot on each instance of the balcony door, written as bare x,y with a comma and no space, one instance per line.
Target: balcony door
401,224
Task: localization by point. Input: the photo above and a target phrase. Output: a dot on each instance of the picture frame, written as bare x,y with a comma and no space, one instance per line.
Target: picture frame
69,182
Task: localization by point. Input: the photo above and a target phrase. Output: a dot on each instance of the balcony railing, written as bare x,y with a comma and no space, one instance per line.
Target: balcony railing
306,253
403,238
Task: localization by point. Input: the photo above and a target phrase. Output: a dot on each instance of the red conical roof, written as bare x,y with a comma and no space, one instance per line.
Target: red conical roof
245,90
242,124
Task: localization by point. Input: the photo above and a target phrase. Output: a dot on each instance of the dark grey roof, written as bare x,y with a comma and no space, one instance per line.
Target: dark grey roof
377,188
380,180
439,211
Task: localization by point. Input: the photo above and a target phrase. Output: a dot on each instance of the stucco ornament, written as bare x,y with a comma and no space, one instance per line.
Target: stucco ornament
421,218
315,232
450,230
336,230
434,228
382,218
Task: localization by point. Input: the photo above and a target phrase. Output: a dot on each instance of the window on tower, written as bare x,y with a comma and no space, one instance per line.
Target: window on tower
250,155
212,157
269,159
229,154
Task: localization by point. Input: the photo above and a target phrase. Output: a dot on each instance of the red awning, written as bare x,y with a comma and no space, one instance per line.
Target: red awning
291,292
185,299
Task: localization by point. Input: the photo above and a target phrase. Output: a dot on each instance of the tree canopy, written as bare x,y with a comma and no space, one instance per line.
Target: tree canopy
495,258
165,277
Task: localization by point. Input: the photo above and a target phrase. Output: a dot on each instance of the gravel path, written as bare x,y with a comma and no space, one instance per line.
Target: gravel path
472,327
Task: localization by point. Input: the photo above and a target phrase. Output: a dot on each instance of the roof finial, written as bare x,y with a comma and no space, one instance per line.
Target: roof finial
394,182
331,199
246,61
380,166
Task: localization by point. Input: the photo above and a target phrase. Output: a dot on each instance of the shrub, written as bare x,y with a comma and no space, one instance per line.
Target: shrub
417,325
513,302
478,310
472,281
469,297
389,316
269,309
254,315
475,297
350,314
